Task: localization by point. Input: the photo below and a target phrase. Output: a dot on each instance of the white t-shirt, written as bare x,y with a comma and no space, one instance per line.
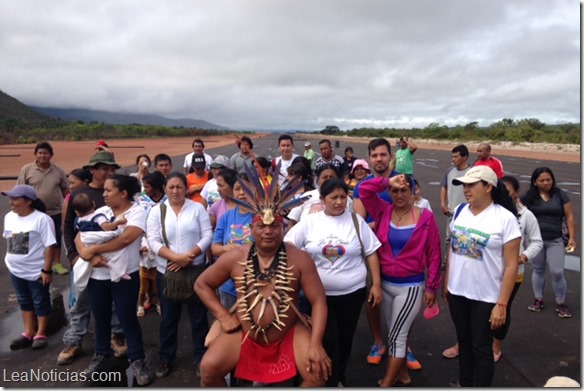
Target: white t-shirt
312,205
423,203
129,255
28,237
210,192
189,159
284,168
333,244
476,252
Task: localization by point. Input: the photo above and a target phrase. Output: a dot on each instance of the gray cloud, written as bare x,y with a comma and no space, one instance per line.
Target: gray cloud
298,64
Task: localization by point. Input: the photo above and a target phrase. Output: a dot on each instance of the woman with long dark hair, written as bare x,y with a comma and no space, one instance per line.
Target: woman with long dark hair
342,245
119,192
550,205
481,271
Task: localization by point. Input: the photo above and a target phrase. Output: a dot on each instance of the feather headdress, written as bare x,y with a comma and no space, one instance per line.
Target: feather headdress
271,202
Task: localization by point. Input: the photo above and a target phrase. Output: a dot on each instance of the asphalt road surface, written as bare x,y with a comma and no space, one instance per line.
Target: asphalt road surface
538,346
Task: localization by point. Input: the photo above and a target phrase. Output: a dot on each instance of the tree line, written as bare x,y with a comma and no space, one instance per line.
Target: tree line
507,129
16,131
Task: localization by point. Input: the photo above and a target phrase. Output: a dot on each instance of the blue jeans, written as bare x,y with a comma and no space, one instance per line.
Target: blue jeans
102,293
32,296
475,340
79,316
169,325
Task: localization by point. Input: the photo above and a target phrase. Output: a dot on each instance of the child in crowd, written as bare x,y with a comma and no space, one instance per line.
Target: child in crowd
94,228
148,290
420,201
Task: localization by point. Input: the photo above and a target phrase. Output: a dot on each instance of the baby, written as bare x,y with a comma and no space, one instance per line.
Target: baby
95,228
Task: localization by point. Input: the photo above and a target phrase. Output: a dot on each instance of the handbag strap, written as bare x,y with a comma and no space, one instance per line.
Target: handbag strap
356,224
162,218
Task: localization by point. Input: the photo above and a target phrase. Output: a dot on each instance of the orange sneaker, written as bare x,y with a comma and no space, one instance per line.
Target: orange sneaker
376,354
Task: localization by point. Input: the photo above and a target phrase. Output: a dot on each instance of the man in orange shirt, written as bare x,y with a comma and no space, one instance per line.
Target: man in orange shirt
197,179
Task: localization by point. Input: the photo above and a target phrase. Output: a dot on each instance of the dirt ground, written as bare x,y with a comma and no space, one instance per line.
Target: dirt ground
70,155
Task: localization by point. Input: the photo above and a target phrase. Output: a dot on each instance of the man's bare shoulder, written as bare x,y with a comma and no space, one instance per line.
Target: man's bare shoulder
237,254
296,255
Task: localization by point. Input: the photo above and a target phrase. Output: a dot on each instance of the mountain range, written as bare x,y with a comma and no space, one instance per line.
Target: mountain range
115,118
14,110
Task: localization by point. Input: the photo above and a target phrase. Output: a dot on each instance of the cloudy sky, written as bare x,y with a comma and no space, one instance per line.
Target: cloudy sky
298,64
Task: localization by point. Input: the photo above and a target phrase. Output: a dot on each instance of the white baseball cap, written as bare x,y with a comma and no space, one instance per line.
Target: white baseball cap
477,174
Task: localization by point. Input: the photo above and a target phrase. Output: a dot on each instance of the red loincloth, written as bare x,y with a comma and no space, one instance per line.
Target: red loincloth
270,363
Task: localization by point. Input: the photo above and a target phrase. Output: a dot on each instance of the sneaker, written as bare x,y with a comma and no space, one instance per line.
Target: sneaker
141,372
97,364
68,354
536,306
376,354
163,369
118,345
39,342
413,364
562,311
60,269
21,342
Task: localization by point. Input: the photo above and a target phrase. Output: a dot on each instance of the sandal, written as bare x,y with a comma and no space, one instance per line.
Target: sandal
497,356
140,312
451,352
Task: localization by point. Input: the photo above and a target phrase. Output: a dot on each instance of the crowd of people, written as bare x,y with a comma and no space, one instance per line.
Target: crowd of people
284,253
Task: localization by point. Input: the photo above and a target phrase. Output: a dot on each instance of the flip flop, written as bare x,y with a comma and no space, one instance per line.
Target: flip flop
451,352
497,356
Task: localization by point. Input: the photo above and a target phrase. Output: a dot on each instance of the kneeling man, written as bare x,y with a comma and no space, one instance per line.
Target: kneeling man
265,341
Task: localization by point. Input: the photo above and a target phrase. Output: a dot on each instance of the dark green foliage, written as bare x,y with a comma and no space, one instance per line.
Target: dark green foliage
516,131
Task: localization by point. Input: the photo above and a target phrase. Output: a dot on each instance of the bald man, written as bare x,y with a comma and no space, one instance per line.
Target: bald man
486,159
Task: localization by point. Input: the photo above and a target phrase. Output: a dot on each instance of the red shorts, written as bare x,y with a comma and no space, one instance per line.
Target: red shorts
272,363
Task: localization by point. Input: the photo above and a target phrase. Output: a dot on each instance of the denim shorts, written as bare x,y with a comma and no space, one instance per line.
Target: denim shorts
32,295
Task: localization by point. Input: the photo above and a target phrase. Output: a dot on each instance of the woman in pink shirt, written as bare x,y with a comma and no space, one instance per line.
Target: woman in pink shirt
410,244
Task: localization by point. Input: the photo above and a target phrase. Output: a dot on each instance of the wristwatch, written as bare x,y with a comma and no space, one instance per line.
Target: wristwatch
46,271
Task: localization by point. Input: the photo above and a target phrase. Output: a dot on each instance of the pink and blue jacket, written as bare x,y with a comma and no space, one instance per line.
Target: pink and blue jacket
421,251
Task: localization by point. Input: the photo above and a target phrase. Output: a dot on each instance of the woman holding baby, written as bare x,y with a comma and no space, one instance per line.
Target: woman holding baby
118,196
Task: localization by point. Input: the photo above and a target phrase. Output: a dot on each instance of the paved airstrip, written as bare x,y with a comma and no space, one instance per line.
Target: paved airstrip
538,346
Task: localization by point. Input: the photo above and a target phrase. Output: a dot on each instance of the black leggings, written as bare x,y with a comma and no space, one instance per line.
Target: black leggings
342,319
475,340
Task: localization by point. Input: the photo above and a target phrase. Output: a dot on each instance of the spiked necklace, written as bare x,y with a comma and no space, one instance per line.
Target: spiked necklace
278,274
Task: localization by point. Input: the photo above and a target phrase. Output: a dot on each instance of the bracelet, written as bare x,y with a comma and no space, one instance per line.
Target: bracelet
46,271
502,305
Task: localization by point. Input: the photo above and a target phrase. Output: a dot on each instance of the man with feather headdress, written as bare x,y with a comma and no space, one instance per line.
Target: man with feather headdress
264,337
